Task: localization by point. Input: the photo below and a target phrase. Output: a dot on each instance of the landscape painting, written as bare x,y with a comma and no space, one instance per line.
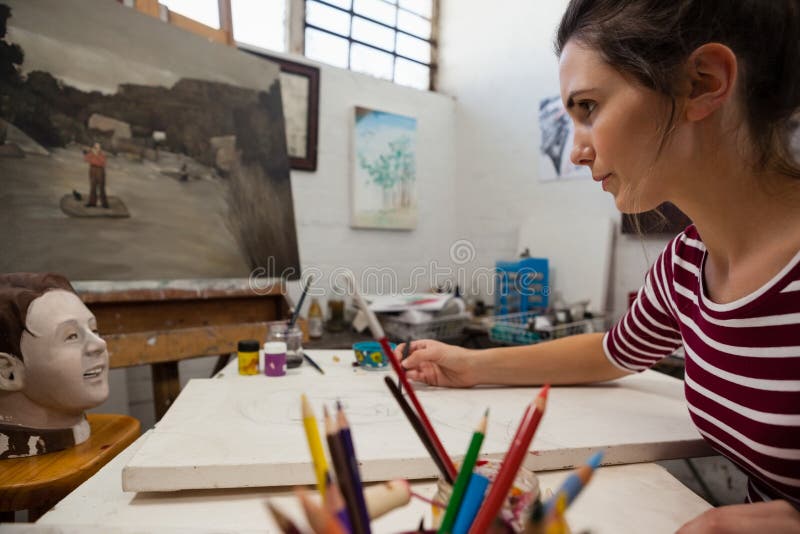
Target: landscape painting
384,178
132,158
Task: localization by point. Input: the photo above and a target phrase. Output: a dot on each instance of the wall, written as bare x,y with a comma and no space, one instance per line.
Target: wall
498,62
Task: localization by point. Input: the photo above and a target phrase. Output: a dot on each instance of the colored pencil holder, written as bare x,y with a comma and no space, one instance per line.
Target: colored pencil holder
370,356
519,501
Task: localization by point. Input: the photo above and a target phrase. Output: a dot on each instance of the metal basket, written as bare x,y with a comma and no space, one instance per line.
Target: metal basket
512,329
446,327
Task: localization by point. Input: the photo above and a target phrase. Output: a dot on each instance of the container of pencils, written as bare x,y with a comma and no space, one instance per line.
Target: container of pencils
518,504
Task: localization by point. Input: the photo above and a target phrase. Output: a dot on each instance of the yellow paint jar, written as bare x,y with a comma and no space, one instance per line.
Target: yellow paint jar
248,356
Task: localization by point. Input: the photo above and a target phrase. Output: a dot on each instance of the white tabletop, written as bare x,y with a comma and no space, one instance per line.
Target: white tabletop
631,498
247,431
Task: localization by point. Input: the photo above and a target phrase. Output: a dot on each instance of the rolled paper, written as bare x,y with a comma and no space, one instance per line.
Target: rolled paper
473,498
383,498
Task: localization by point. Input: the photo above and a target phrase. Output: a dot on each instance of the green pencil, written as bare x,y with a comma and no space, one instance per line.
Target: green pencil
462,479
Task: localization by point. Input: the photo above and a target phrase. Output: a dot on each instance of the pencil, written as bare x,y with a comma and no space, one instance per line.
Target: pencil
380,337
296,313
508,469
284,523
352,463
423,435
406,352
575,482
321,520
334,502
340,467
464,475
314,445
473,497
312,362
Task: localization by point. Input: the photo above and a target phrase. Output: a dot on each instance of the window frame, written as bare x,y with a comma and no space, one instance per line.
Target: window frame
432,41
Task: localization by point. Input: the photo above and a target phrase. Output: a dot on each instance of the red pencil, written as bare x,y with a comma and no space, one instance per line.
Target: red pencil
513,459
380,337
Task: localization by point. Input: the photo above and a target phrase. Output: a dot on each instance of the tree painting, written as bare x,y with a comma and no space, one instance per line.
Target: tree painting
385,171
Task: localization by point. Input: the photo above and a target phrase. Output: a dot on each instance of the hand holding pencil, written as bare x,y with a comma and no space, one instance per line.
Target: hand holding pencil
438,364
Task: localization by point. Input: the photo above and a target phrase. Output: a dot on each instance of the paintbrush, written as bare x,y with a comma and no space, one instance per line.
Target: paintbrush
296,313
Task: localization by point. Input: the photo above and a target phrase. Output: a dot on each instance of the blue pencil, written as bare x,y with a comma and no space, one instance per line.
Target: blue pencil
575,482
473,498
350,455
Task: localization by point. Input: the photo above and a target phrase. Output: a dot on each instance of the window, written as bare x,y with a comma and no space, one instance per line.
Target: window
390,39
261,23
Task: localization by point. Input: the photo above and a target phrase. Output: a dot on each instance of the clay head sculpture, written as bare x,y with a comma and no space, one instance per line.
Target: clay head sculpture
53,365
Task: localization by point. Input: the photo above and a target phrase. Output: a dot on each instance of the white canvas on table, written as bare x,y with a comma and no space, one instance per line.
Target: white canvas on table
248,432
384,171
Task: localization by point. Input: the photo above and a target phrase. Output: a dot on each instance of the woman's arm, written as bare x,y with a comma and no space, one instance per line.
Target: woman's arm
571,360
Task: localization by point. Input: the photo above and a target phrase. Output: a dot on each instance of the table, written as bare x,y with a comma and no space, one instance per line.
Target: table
640,497
620,499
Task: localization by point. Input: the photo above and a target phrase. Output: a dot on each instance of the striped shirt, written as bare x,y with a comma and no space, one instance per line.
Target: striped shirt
742,381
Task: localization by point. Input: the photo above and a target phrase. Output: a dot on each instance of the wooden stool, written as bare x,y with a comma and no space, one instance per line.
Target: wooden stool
37,483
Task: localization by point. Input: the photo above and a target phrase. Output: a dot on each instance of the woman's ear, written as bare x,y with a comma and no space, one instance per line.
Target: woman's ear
712,70
12,373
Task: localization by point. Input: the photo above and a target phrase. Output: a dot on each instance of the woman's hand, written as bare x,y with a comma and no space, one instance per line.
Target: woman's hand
439,364
775,517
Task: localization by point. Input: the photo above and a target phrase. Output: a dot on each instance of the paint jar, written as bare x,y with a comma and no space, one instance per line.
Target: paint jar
293,337
518,504
247,351
274,358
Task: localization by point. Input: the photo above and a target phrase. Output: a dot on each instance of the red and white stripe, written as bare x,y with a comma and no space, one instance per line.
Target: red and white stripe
742,379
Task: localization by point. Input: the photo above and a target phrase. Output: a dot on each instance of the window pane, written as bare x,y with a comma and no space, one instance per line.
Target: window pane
415,24
413,48
411,74
205,11
372,33
377,10
421,7
260,22
326,48
344,4
328,18
371,61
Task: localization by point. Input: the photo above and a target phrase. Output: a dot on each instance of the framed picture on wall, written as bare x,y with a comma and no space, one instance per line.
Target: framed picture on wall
300,95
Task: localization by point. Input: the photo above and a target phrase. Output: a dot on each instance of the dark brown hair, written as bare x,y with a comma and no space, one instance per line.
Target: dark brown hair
650,40
17,291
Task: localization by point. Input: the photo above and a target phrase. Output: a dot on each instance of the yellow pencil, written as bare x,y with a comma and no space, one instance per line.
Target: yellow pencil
315,445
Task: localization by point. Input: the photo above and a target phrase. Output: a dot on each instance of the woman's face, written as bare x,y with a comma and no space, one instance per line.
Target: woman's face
66,362
617,129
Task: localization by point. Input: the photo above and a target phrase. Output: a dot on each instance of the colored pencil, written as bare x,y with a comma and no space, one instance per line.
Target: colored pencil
406,352
334,502
513,459
343,476
284,523
296,313
314,445
380,337
352,463
464,475
321,520
575,482
473,497
416,424
312,362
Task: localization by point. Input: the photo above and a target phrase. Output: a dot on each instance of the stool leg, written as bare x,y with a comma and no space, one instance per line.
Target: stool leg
6,517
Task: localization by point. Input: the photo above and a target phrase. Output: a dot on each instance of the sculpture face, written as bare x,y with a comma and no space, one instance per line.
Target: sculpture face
65,361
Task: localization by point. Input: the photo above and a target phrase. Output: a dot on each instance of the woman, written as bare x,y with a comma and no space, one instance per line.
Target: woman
690,102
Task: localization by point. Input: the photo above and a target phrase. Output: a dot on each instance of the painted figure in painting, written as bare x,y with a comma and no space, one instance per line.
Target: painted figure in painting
97,176
53,365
